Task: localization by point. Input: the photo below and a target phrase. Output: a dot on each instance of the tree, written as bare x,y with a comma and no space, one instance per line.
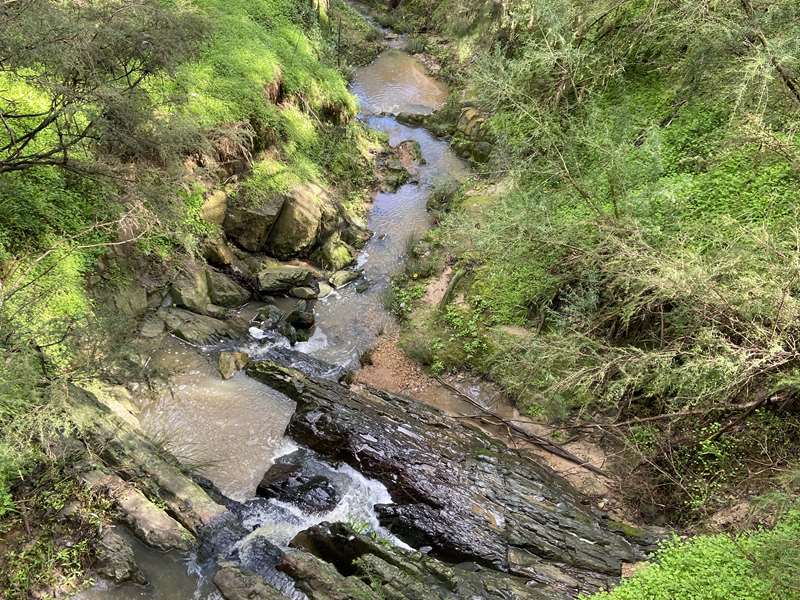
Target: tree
71,73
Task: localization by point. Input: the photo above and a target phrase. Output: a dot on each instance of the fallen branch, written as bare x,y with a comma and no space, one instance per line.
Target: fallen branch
543,443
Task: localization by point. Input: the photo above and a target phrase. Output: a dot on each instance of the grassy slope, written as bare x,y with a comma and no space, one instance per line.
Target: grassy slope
639,255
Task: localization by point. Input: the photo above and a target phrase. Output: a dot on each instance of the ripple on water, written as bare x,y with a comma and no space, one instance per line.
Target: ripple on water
229,429
397,82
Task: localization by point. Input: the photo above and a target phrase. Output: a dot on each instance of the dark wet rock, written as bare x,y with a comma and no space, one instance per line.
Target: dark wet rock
224,291
346,559
257,554
115,558
362,286
276,278
288,481
288,331
197,329
456,489
301,361
250,222
301,318
235,583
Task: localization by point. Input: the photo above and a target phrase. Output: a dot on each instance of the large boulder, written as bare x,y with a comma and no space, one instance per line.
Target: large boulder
456,489
197,329
278,278
224,291
189,289
334,254
249,225
307,212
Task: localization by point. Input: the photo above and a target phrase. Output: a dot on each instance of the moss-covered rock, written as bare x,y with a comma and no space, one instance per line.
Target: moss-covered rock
224,291
334,254
249,225
276,278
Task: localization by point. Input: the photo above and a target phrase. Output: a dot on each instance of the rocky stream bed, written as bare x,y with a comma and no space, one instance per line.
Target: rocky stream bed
311,488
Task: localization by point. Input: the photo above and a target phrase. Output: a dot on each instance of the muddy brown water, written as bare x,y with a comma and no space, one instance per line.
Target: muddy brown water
232,431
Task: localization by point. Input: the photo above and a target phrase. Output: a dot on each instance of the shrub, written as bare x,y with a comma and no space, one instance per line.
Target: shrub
762,565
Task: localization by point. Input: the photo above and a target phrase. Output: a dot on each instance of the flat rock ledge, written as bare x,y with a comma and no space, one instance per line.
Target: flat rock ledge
455,490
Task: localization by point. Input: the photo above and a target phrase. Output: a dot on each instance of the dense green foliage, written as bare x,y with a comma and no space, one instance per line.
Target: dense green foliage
118,124
640,258
764,565
632,260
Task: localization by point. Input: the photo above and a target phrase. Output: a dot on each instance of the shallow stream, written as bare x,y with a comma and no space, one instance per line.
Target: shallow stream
232,431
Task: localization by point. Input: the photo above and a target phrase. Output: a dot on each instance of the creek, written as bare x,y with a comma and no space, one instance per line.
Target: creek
232,431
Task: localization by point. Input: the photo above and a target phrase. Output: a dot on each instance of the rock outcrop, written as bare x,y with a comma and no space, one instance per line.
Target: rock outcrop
455,489
135,473
333,562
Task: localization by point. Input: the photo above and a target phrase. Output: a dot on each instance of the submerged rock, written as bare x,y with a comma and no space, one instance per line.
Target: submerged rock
456,489
230,363
299,479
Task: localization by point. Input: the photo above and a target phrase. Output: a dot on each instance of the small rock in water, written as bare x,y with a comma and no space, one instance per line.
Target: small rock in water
325,290
301,319
362,286
231,363
312,493
342,278
269,317
306,293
